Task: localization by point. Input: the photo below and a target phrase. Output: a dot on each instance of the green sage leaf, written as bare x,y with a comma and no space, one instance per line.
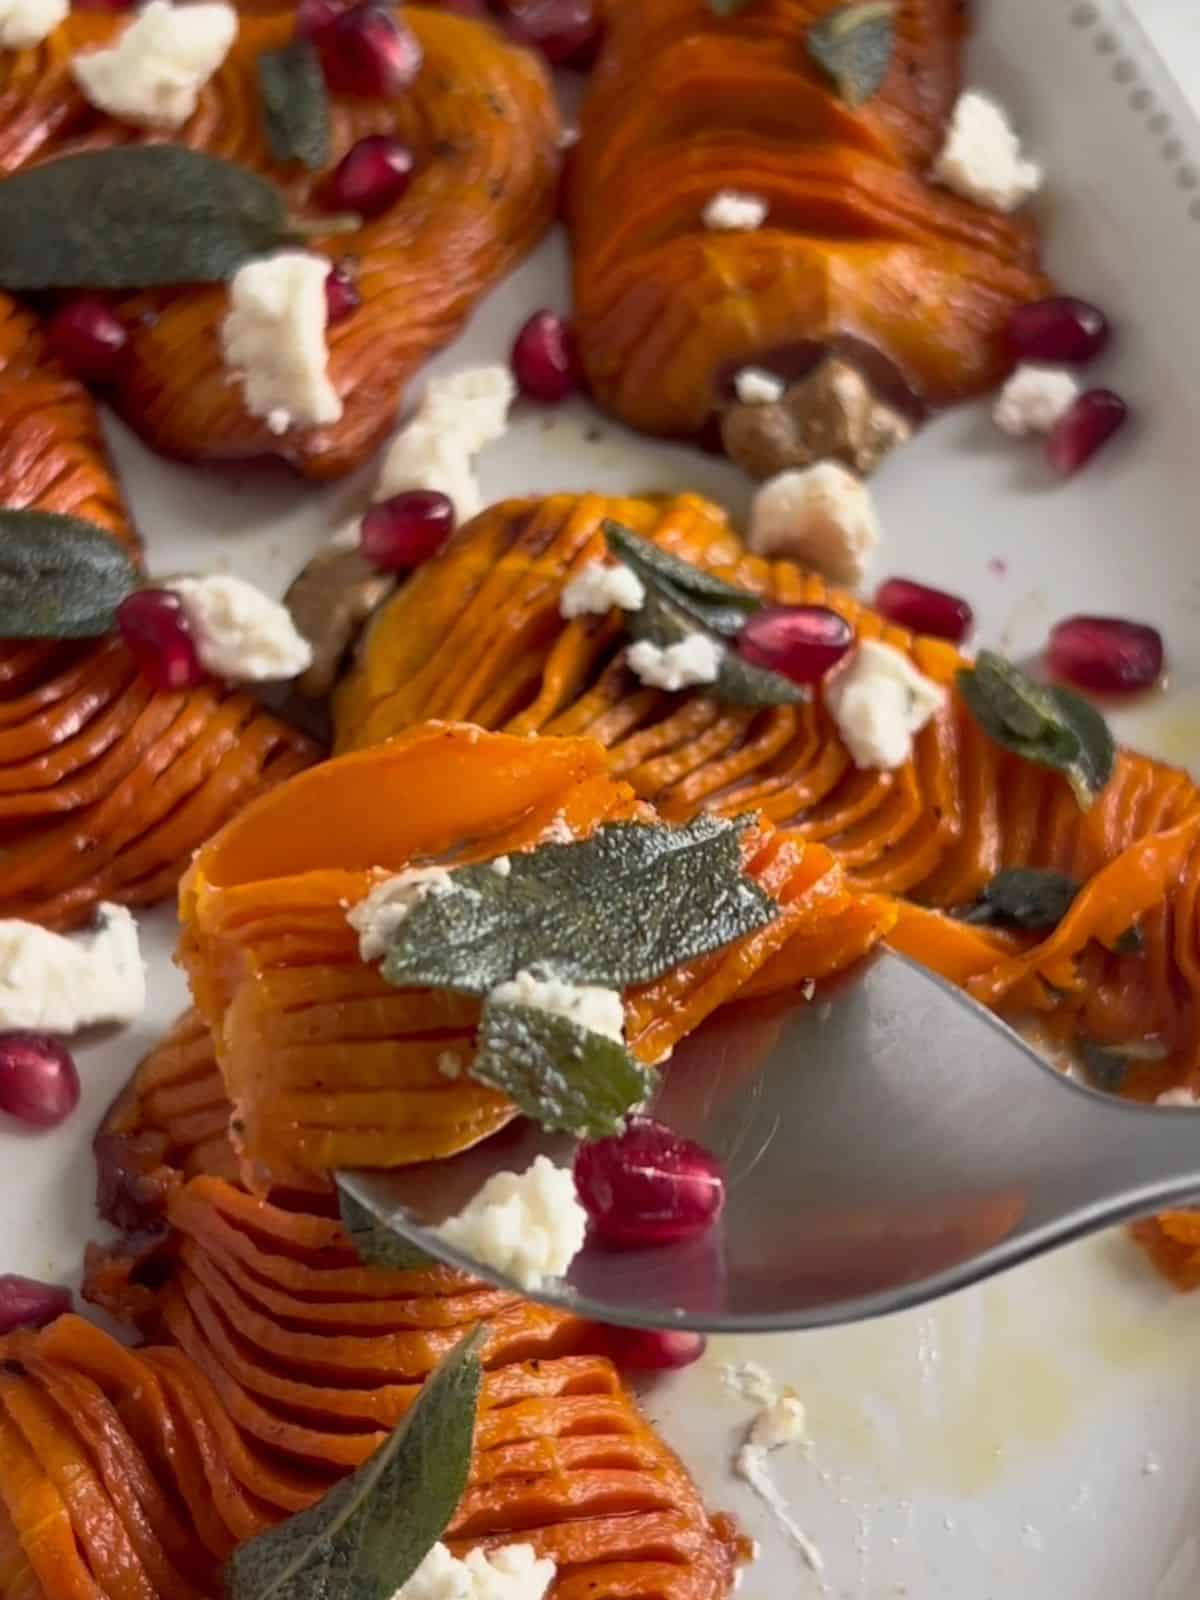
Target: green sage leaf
564,1076
1042,723
1024,897
854,45
623,907
375,1244
718,606
368,1534
738,682
60,577
295,104
1107,1065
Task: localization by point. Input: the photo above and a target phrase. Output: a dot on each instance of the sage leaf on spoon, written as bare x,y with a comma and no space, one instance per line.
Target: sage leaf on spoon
853,44
295,104
60,577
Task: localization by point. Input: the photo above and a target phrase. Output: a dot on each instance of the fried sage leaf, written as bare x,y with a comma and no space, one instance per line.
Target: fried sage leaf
295,104
368,1534
1024,897
60,577
854,45
738,682
718,606
375,1244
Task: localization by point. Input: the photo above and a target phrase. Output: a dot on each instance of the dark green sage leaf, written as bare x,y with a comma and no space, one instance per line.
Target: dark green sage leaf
295,104
60,577
623,907
1024,897
375,1244
854,44
716,605
1042,723
564,1076
738,682
369,1533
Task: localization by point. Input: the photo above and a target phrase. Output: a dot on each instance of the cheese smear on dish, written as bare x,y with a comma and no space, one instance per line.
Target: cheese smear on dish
696,659
273,340
459,416
821,516
982,159
513,1572
730,211
240,633
589,1006
598,588
153,74
1034,399
24,23
879,701
53,984
377,916
529,1226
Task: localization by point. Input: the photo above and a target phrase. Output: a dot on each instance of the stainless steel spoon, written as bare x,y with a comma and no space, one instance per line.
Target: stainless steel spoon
884,1143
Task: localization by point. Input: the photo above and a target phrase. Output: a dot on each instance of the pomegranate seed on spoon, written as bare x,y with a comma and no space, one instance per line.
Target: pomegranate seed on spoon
372,175
543,358
38,1081
565,31
1089,424
407,529
799,642
88,338
1106,654
155,629
315,17
647,1186
925,610
26,1303
342,297
1058,329
367,51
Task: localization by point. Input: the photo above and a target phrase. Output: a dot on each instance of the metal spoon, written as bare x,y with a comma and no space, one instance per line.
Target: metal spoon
884,1143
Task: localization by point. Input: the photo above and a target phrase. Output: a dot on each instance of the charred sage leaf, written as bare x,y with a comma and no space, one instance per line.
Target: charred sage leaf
375,1244
60,577
623,907
738,682
1107,1065
854,45
368,1534
1024,897
716,605
295,104
564,1076
1042,723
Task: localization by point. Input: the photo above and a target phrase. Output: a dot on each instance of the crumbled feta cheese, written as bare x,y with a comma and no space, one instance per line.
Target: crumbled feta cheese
757,387
750,1380
502,866
778,1423
153,73
696,659
24,23
981,158
273,340
513,1572
821,516
557,831
378,914
240,633
1034,399
596,1009
732,212
458,417
58,985
1178,1097
449,1064
529,1226
597,588
879,700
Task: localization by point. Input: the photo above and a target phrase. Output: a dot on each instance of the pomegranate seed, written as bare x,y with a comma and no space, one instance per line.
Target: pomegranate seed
342,297
544,362
88,338
407,529
565,31
156,632
648,1186
38,1080
314,18
800,642
1059,329
1107,654
651,1350
1090,423
367,51
925,610
371,176
26,1303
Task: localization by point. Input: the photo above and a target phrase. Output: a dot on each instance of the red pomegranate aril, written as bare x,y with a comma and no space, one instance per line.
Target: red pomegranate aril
651,1350
925,610
1058,329
407,529
1106,654
371,176
88,338
543,358
647,1186
799,642
565,31
367,51
38,1081
342,297
315,17
1087,426
156,632
26,1303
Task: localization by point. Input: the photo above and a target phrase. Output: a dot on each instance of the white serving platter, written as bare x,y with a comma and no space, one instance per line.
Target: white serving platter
1038,1436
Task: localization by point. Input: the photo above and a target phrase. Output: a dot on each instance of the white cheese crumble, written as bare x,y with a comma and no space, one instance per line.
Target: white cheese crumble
1178,1097
1034,399
779,1422
378,914
240,633
273,340
513,1572
24,23
529,1226
750,1380
501,866
598,588
879,700
696,659
557,831
449,1064
153,74
755,386
53,984
731,211
821,516
458,417
591,1007
981,158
